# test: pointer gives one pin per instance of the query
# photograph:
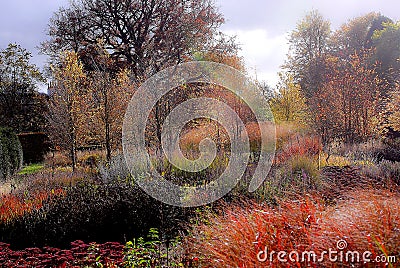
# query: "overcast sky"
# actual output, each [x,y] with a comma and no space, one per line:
[261,26]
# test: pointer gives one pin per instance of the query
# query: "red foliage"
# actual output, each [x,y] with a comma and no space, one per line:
[109,254]
[368,221]
[235,239]
[13,206]
[299,146]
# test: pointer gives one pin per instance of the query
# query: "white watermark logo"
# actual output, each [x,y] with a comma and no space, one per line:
[340,254]
[146,98]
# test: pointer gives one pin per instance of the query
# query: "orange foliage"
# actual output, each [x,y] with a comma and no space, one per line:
[235,239]
[233,101]
[368,221]
[299,146]
[13,206]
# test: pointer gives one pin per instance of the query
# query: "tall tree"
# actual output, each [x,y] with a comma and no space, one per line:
[144,35]
[21,106]
[387,52]
[353,36]
[348,102]
[68,99]
[307,54]
[376,25]
[111,94]
[374,38]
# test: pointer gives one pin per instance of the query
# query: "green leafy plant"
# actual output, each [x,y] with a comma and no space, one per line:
[151,252]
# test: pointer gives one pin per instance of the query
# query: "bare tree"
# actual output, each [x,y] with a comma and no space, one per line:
[111,94]
[144,35]
[308,51]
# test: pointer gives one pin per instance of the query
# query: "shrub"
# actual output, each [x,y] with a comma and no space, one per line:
[109,254]
[57,159]
[10,153]
[149,252]
[31,169]
[94,212]
[152,252]
[386,171]
[372,151]
[14,206]
[116,169]
[364,153]
[90,158]
[333,160]
[391,150]
[95,207]
[299,145]
[47,180]
[272,135]
[298,176]
[283,134]
[304,167]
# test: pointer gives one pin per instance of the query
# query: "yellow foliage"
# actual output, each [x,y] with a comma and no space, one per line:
[289,104]
[394,109]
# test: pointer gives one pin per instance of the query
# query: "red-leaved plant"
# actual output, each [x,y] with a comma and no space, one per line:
[246,235]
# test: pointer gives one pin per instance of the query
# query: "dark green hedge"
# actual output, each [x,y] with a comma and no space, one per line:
[10,153]
[34,146]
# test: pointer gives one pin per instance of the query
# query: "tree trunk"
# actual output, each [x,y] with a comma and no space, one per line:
[73,157]
[108,142]
[107,126]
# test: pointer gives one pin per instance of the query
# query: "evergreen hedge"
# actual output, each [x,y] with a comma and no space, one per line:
[10,153]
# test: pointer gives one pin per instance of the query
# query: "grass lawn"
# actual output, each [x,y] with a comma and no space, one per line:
[31,169]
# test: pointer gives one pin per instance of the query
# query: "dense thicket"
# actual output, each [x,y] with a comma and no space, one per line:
[349,77]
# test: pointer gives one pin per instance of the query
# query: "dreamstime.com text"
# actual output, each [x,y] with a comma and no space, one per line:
[338,255]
